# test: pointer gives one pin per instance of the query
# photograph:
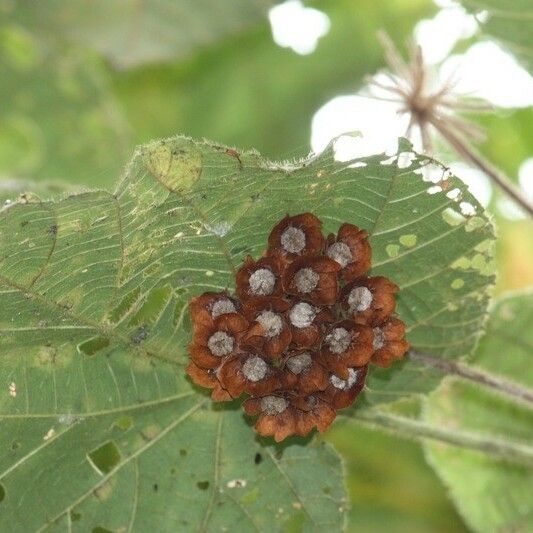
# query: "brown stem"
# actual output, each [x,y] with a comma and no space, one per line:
[476,375]
[468,152]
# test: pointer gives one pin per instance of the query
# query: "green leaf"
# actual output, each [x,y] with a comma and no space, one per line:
[94,328]
[58,118]
[492,495]
[508,21]
[130,34]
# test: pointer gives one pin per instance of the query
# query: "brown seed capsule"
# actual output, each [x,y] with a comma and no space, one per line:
[213,342]
[269,332]
[277,417]
[351,250]
[305,321]
[248,373]
[312,412]
[369,300]
[312,279]
[295,237]
[259,278]
[341,393]
[209,306]
[346,345]
[389,342]
[303,374]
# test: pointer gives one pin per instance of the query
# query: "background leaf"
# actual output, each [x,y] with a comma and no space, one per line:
[58,118]
[508,21]
[130,33]
[491,495]
[94,326]
[70,106]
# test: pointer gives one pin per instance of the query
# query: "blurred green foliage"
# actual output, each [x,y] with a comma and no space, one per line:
[65,106]
[76,100]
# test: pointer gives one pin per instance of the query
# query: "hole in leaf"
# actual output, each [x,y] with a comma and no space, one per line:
[453,218]
[153,306]
[258,458]
[2,493]
[93,345]
[105,457]
[124,422]
[203,485]
[125,305]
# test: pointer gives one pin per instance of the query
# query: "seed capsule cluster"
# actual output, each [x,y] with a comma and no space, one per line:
[300,332]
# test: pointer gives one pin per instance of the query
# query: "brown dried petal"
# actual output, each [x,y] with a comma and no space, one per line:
[208,379]
[390,343]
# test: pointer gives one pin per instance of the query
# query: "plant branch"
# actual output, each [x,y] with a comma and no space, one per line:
[471,154]
[414,429]
[478,376]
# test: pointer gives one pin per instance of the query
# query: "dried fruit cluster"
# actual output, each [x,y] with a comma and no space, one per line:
[300,333]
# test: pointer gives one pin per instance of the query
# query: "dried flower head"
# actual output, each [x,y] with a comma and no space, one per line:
[306,322]
[248,373]
[341,393]
[304,373]
[302,330]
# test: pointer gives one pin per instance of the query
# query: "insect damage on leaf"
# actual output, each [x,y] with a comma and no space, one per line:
[299,338]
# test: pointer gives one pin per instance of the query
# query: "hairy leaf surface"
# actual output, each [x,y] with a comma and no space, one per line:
[130,34]
[94,326]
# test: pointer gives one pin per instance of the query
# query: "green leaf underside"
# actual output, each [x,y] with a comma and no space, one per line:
[510,22]
[491,495]
[130,34]
[94,328]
